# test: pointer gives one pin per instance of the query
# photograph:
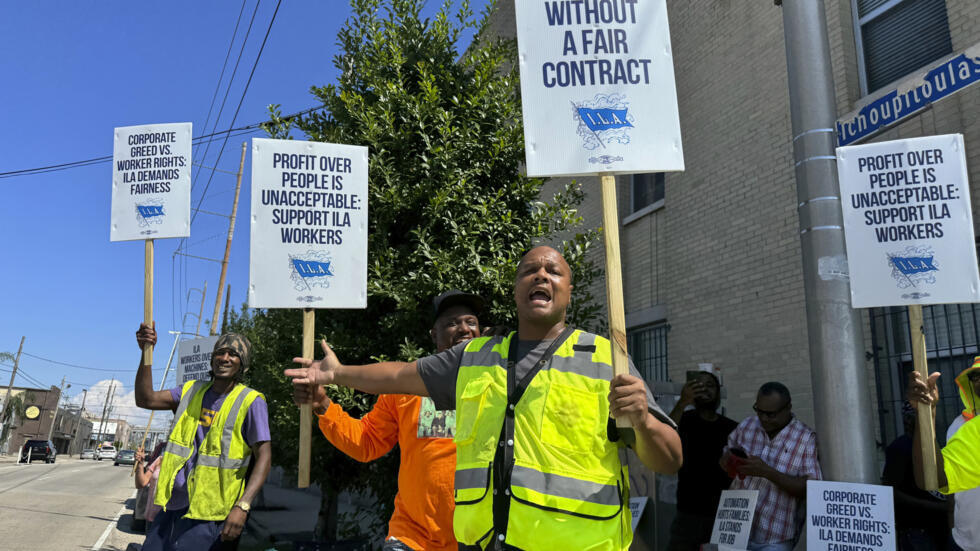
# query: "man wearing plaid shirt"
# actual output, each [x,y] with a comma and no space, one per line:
[780,456]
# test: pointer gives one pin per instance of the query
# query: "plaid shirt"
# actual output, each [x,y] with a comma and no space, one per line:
[794,452]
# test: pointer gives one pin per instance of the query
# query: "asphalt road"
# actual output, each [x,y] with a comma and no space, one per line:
[69,505]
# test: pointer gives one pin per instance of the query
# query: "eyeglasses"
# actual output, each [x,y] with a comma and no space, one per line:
[770,414]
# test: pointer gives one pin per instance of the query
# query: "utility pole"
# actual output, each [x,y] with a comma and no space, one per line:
[10,385]
[108,418]
[837,372]
[224,318]
[105,407]
[61,392]
[78,422]
[231,233]
[200,312]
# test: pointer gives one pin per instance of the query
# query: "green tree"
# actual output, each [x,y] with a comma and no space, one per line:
[449,208]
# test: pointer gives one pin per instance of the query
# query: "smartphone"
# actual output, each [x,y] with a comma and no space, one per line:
[739,452]
[692,375]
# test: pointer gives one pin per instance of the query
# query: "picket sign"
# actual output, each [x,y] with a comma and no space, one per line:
[908,225]
[598,96]
[308,242]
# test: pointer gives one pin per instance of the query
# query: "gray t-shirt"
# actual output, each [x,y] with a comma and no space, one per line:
[440,371]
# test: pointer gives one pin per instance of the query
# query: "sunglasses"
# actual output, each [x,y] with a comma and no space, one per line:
[770,414]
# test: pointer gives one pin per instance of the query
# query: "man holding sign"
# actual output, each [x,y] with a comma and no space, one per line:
[959,461]
[534,466]
[423,515]
[202,486]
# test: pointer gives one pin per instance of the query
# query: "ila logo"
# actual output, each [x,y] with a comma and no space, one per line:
[313,269]
[913,268]
[603,121]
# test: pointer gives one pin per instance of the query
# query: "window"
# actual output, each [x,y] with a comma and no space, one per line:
[645,190]
[952,335]
[647,346]
[896,37]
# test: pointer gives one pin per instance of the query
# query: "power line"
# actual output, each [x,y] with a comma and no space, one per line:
[234,118]
[224,66]
[231,132]
[80,366]
[231,80]
[258,56]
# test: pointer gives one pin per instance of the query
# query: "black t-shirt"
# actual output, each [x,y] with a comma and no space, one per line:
[899,473]
[701,480]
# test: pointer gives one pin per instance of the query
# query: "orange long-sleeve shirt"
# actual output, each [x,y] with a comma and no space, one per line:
[423,517]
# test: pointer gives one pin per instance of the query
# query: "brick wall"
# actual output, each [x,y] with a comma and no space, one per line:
[723,255]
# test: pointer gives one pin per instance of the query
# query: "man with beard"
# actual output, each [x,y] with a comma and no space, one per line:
[535,469]
[423,515]
[202,483]
[699,482]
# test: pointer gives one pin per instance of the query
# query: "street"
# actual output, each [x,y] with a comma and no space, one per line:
[71,504]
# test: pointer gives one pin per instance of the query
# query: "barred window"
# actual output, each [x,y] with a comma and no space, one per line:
[648,348]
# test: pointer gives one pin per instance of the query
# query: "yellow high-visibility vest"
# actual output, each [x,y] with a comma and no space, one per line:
[566,488]
[217,480]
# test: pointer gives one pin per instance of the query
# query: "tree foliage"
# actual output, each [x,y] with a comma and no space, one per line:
[449,207]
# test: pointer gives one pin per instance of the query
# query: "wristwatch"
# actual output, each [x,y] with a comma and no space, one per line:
[243,505]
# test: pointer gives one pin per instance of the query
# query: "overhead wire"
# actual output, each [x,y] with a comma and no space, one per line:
[249,129]
[238,109]
[182,244]
[234,118]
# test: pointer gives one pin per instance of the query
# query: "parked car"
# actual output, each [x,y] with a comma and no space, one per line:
[38,449]
[87,453]
[125,457]
[106,451]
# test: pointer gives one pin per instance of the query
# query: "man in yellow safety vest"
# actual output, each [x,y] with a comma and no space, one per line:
[537,463]
[218,425]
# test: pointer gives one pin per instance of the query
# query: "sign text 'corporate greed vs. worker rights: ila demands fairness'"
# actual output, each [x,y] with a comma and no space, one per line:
[151,182]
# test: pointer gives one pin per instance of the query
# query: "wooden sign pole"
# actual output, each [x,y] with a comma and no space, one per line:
[163,385]
[148,298]
[614,282]
[927,425]
[306,410]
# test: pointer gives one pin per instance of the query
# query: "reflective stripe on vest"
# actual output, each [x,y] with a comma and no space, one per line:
[217,479]
[567,485]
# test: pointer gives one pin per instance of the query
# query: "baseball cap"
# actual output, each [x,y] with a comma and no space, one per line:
[455,297]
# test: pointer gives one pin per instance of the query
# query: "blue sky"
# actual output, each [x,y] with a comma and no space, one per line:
[73,71]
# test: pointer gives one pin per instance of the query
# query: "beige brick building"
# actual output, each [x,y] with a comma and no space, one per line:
[711,256]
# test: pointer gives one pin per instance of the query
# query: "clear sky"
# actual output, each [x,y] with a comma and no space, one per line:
[73,71]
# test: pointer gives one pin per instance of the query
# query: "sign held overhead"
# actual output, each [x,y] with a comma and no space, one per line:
[597,85]
[309,225]
[151,182]
[908,222]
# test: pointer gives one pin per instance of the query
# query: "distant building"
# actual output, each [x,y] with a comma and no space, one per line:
[40,410]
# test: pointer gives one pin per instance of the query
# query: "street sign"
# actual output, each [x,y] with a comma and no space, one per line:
[309,225]
[908,223]
[151,182]
[910,96]
[597,86]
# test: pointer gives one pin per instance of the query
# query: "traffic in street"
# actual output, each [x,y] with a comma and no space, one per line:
[69,504]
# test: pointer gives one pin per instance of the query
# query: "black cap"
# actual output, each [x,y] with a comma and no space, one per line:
[455,297]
